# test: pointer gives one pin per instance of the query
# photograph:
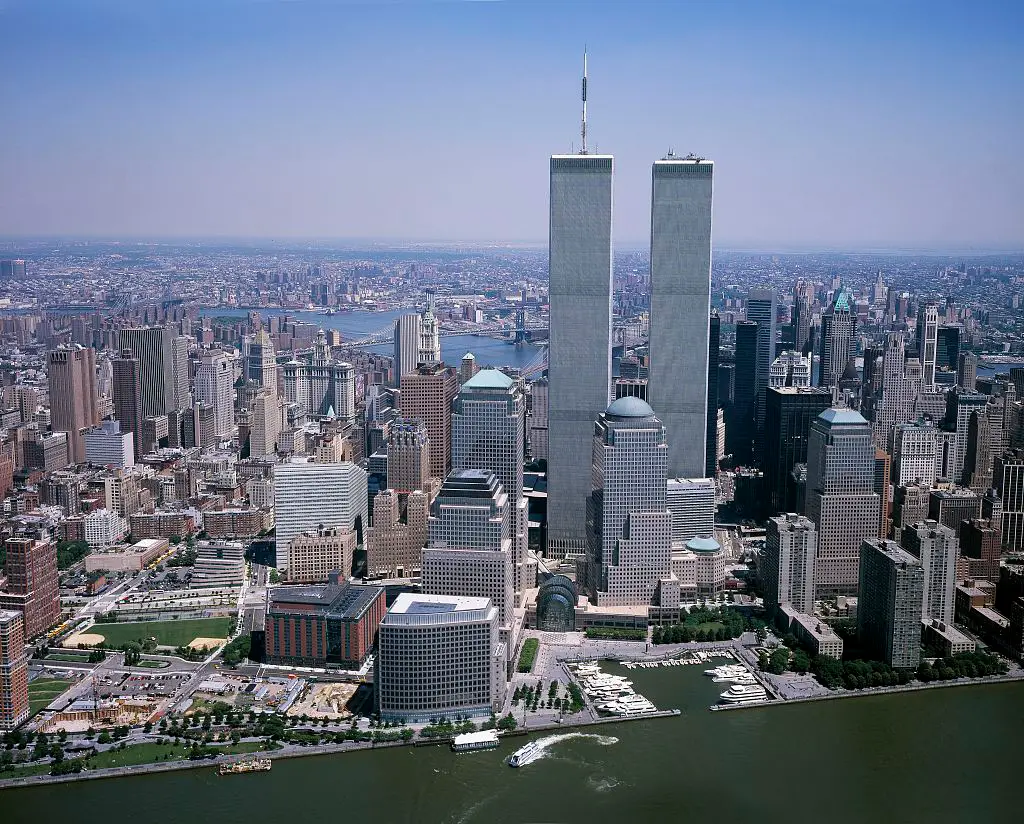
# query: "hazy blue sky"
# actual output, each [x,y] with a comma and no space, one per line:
[837,124]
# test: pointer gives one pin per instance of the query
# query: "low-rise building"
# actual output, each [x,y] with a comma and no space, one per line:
[439,657]
[218,564]
[126,558]
[945,639]
[237,522]
[316,553]
[811,632]
[333,625]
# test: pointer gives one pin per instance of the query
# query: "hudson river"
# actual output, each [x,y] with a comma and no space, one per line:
[936,756]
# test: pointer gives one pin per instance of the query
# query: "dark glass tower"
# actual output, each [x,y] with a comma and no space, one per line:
[711,439]
[789,412]
[740,429]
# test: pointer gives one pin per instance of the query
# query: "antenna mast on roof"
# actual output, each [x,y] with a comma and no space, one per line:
[583,125]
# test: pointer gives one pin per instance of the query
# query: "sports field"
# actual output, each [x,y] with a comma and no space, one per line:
[42,691]
[167,633]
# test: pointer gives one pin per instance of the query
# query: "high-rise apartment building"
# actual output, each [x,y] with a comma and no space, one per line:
[762,309]
[215,382]
[180,394]
[406,346]
[469,548]
[313,495]
[14,705]
[936,547]
[680,302]
[841,497]
[838,339]
[579,351]
[439,656]
[427,395]
[787,563]
[32,587]
[71,379]
[926,336]
[628,520]
[1008,480]
[889,601]
[789,412]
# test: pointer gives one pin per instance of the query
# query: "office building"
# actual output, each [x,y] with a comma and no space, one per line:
[261,361]
[951,506]
[883,467]
[218,564]
[628,520]
[107,445]
[762,309]
[967,370]
[104,528]
[313,495]
[1008,480]
[789,412]
[838,339]
[265,430]
[332,625]
[947,348]
[712,451]
[321,386]
[841,497]
[71,379]
[14,704]
[539,420]
[468,368]
[406,346]
[127,396]
[408,456]
[12,270]
[960,406]
[790,369]
[32,586]
[981,545]
[427,394]
[692,504]
[439,657]
[740,429]
[153,347]
[901,388]
[926,335]
[430,342]
[469,548]
[395,540]
[915,457]
[680,303]
[787,563]
[936,547]
[215,387]
[579,351]
[889,603]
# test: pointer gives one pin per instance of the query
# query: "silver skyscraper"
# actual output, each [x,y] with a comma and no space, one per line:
[680,305]
[580,363]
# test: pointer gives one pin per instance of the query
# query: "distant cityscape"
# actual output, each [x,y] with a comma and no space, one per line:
[259,498]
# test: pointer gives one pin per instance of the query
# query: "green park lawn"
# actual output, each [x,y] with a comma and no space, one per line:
[167,633]
[43,690]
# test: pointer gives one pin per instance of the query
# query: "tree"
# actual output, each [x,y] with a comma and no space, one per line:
[104,738]
[801,661]
[508,723]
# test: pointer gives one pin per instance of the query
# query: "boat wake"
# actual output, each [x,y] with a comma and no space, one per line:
[602,784]
[546,743]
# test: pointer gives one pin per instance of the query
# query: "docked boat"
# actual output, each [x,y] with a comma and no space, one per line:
[247,766]
[471,741]
[526,755]
[744,694]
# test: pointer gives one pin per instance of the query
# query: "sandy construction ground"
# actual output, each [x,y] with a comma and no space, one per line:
[88,638]
[209,643]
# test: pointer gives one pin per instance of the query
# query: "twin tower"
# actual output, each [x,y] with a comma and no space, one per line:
[580,345]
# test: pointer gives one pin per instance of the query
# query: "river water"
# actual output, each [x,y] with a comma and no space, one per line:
[937,756]
[359,323]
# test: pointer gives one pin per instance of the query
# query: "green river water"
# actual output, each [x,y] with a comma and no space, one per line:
[936,756]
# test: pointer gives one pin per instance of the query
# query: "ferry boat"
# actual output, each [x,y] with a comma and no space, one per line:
[526,755]
[744,694]
[249,765]
[471,741]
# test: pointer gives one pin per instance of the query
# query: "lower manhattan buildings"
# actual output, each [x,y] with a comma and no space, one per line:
[889,603]
[14,706]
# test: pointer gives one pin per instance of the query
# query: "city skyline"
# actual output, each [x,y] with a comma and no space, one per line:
[865,151]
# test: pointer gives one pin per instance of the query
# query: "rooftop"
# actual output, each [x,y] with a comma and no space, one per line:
[843,416]
[630,407]
[703,544]
[337,600]
[414,603]
[488,379]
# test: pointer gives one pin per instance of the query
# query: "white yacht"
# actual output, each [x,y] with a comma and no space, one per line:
[744,694]
[526,755]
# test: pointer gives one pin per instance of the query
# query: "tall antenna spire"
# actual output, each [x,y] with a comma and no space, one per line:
[583,125]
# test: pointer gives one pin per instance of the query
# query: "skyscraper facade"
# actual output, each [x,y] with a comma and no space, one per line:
[407,346]
[71,379]
[322,386]
[126,386]
[789,412]
[761,308]
[579,351]
[890,593]
[927,341]
[936,547]
[740,429]
[430,342]
[261,361]
[152,346]
[711,433]
[628,520]
[680,302]
[787,564]
[838,339]
[408,456]
[215,387]
[427,394]
[841,497]
[14,704]
[32,587]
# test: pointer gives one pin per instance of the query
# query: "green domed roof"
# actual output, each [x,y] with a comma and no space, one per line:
[703,544]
